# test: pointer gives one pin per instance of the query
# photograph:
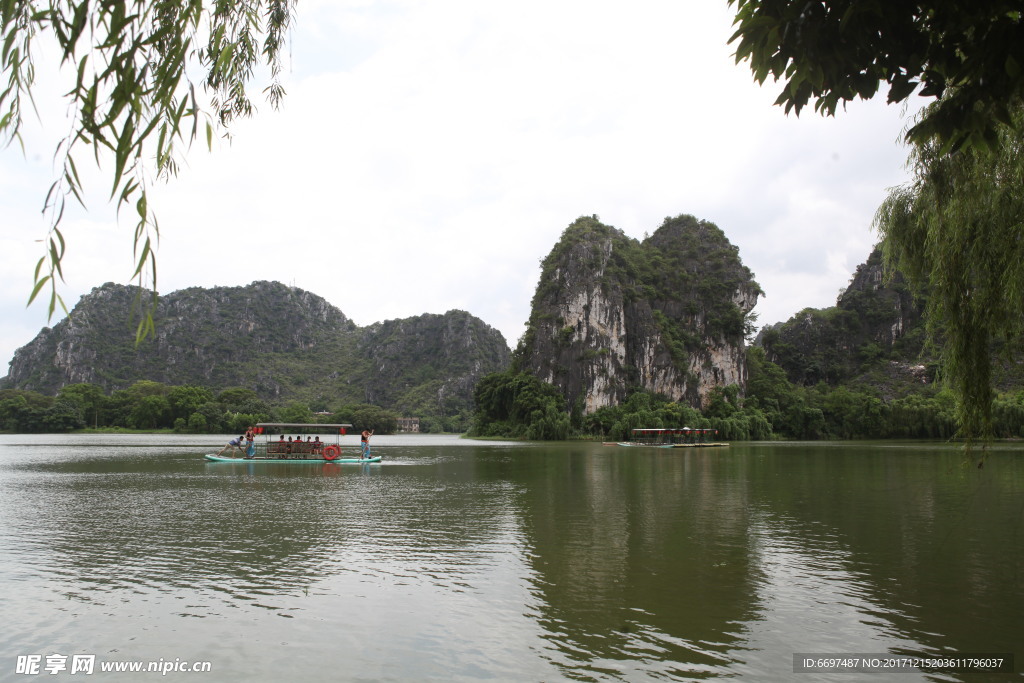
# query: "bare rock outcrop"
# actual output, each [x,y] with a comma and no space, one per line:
[612,315]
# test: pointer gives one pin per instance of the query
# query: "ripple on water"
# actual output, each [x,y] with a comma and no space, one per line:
[546,563]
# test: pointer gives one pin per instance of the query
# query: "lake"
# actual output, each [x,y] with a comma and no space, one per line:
[465,560]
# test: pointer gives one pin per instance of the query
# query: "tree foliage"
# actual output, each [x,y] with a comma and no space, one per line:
[276,342]
[90,399]
[518,405]
[968,54]
[151,405]
[957,229]
[365,416]
[129,68]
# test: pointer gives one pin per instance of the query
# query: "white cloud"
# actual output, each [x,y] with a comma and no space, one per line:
[429,154]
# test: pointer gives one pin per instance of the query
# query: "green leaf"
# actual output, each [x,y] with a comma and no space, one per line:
[1012,67]
[901,89]
[55,259]
[8,42]
[81,73]
[122,152]
[40,283]
[142,258]
[77,26]
[74,171]
[39,268]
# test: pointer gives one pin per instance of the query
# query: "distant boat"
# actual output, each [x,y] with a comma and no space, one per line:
[680,437]
[273,443]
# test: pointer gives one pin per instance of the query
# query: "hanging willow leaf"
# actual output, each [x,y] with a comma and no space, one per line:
[956,232]
[132,64]
[40,282]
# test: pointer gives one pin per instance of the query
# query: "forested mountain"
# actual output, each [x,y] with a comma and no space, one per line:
[874,335]
[628,334]
[873,339]
[622,334]
[612,315]
[281,342]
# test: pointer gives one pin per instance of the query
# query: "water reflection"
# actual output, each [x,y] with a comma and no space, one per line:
[627,551]
[454,561]
[804,578]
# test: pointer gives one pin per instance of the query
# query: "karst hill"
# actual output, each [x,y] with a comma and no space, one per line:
[666,315]
[282,342]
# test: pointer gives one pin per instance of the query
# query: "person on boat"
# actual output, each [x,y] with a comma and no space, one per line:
[233,444]
[317,446]
[250,438]
[365,442]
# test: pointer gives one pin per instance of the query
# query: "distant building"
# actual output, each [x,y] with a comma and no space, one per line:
[408,424]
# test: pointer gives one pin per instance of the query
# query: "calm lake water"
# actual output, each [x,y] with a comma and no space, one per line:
[462,560]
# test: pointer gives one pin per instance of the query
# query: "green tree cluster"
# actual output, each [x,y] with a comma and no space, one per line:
[365,416]
[956,231]
[29,412]
[147,405]
[517,405]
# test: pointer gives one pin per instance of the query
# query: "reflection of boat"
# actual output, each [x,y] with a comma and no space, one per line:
[313,443]
[682,437]
[340,461]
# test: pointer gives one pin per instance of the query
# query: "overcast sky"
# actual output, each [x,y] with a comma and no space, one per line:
[430,153]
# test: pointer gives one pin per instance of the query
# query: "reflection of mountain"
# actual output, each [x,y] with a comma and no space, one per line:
[250,531]
[564,560]
[139,530]
[903,537]
[640,559]
[691,565]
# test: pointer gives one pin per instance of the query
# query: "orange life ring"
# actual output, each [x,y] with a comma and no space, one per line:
[331,452]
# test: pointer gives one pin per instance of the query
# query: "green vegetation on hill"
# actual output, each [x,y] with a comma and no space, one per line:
[875,326]
[612,315]
[687,262]
[283,344]
[517,405]
[858,370]
[955,230]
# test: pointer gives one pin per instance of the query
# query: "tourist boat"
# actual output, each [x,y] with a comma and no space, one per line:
[681,437]
[316,443]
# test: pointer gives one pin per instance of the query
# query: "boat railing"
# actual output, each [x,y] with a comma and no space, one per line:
[295,447]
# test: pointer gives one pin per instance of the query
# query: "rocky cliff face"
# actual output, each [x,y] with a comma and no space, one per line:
[433,358]
[876,319]
[280,341]
[666,315]
[202,337]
